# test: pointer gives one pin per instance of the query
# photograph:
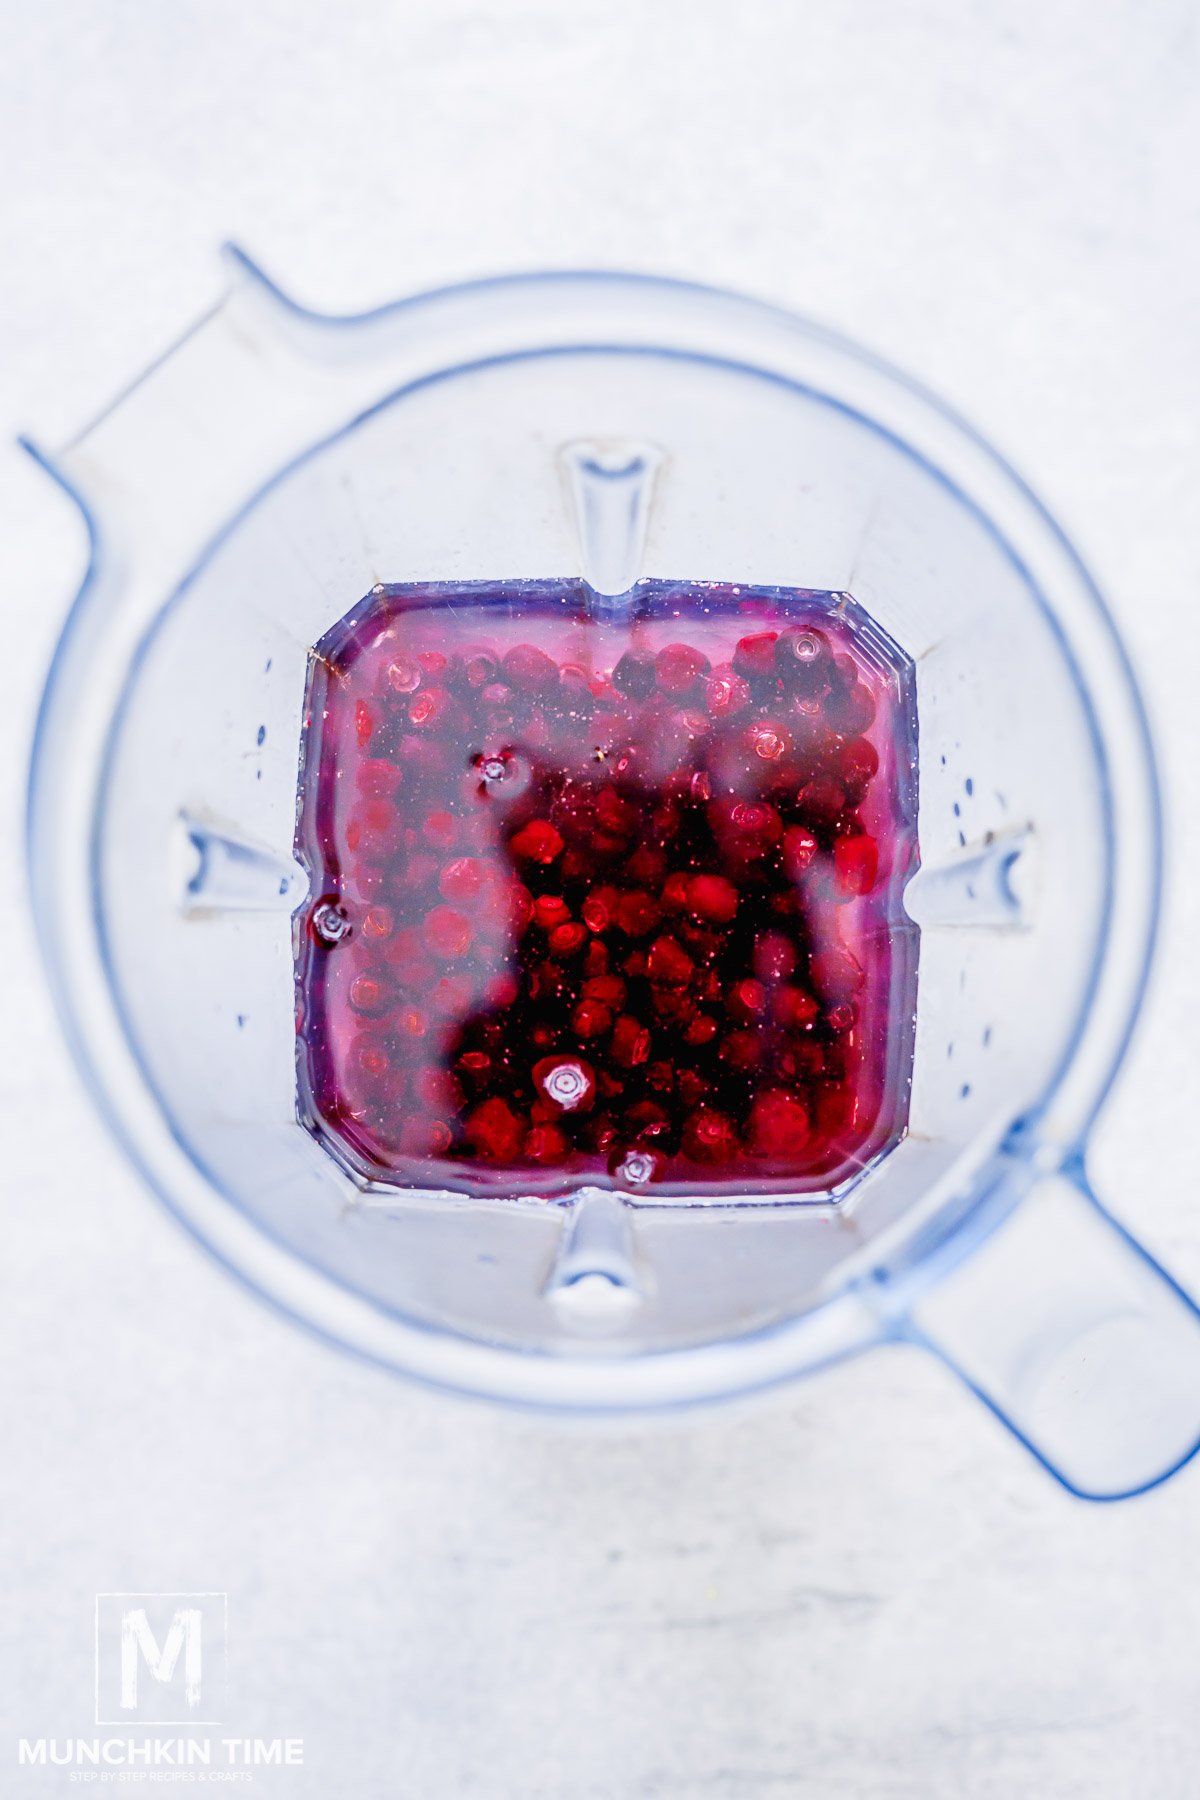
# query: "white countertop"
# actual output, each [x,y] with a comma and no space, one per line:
[857,1586]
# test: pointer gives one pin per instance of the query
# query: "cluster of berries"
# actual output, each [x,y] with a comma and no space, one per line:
[580,921]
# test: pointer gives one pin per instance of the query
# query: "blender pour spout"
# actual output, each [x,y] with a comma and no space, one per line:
[611,483]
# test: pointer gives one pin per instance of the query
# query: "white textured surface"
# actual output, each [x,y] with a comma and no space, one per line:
[858,1587]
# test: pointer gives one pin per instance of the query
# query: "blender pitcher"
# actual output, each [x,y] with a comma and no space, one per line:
[606,437]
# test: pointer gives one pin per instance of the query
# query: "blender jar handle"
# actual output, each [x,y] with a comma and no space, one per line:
[1075,1338]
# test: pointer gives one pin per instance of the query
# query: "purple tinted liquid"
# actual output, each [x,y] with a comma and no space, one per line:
[615,901]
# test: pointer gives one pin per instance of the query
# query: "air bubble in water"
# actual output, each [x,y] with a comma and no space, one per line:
[638,1168]
[329,922]
[568,1084]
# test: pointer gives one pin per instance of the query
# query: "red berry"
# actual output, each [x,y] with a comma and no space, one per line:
[802,1059]
[812,734]
[821,800]
[630,1042]
[550,910]
[774,957]
[405,950]
[451,997]
[574,696]
[411,1022]
[855,864]
[646,1122]
[726,693]
[529,670]
[378,777]
[497,696]
[519,906]
[363,725]
[636,913]
[769,740]
[856,763]
[440,829]
[437,1089]
[368,1058]
[746,828]
[754,657]
[853,711]
[835,1108]
[369,994]
[754,819]
[537,842]
[591,1019]
[675,891]
[747,999]
[447,932]
[669,963]
[799,849]
[463,880]
[475,1065]
[403,676]
[595,958]
[599,909]
[428,708]
[634,675]
[665,821]
[608,989]
[377,922]
[835,972]
[804,660]
[794,1008]
[692,1087]
[708,987]
[708,1136]
[614,814]
[424,1137]
[778,1125]
[598,1133]
[546,1144]
[495,1131]
[678,668]
[712,897]
[606,847]
[478,669]
[565,940]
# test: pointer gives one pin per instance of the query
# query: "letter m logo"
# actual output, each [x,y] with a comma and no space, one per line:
[160,1658]
[138,1641]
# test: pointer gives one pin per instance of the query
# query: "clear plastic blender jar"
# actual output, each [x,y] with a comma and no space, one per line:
[276,466]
